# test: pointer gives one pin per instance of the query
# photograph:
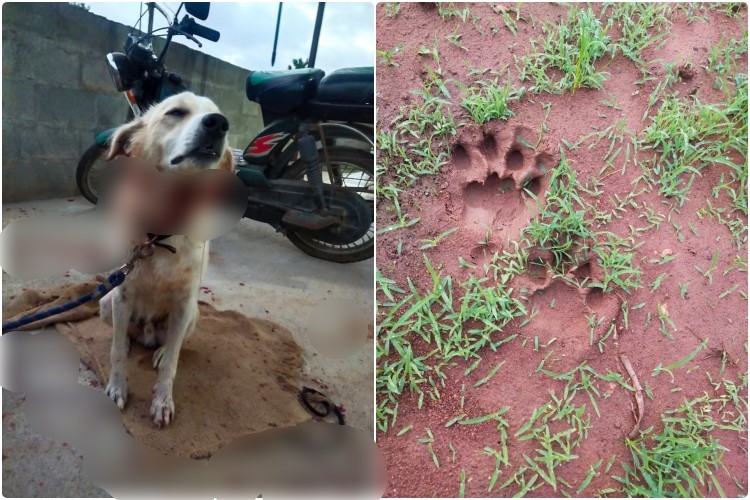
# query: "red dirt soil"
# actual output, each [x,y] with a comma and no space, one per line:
[465,195]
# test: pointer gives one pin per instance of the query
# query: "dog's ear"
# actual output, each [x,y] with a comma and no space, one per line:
[119,144]
[227,161]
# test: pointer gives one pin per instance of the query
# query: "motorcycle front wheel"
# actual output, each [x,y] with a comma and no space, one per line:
[353,170]
[90,168]
[89,172]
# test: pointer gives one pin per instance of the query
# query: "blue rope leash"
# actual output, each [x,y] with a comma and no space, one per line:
[113,280]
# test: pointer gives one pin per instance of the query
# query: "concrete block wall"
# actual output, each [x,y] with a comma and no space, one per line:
[57,93]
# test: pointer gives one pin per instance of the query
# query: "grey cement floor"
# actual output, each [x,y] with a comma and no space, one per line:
[279,283]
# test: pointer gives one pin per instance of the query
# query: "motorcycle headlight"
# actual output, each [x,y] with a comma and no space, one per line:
[121,71]
[140,52]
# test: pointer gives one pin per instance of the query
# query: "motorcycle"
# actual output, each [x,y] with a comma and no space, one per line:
[309,173]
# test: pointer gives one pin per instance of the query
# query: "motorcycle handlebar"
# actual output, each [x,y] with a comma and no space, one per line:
[207,33]
[187,27]
[193,28]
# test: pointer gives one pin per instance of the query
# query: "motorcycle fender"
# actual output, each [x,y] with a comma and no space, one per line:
[274,170]
[102,138]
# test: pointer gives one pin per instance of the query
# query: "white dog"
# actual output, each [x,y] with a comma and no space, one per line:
[158,302]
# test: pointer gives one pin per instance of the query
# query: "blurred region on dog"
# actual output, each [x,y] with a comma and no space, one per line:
[136,199]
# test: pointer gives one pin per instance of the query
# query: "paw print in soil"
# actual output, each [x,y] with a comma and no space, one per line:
[542,285]
[588,270]
[494,168]
[492,171]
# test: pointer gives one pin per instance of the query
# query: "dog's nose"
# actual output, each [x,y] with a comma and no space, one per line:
[215,123]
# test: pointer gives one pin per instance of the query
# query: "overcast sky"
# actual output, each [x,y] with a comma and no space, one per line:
[247,31]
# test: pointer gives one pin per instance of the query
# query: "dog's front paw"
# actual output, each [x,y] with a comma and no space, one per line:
[162,406]
[117,390]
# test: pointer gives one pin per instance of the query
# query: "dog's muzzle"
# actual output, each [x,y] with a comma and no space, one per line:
[215,125]
[210,140]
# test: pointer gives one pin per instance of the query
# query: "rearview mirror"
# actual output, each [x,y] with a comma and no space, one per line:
[198,9]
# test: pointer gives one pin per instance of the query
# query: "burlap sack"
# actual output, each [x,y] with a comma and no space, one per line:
[236,375]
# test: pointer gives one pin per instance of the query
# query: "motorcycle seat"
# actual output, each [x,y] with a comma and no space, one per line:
[347,85]
[345,95]
[282,91]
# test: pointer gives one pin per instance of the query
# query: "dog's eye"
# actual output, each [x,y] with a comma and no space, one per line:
[178,112]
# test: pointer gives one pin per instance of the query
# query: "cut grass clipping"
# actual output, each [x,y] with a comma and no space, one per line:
[681,459]
[564,60]
[642,25]
[439,322]
[418,144]
[488,100]
[386,56]
[688,136]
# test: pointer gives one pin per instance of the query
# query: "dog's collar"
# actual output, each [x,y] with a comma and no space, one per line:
[154,239]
